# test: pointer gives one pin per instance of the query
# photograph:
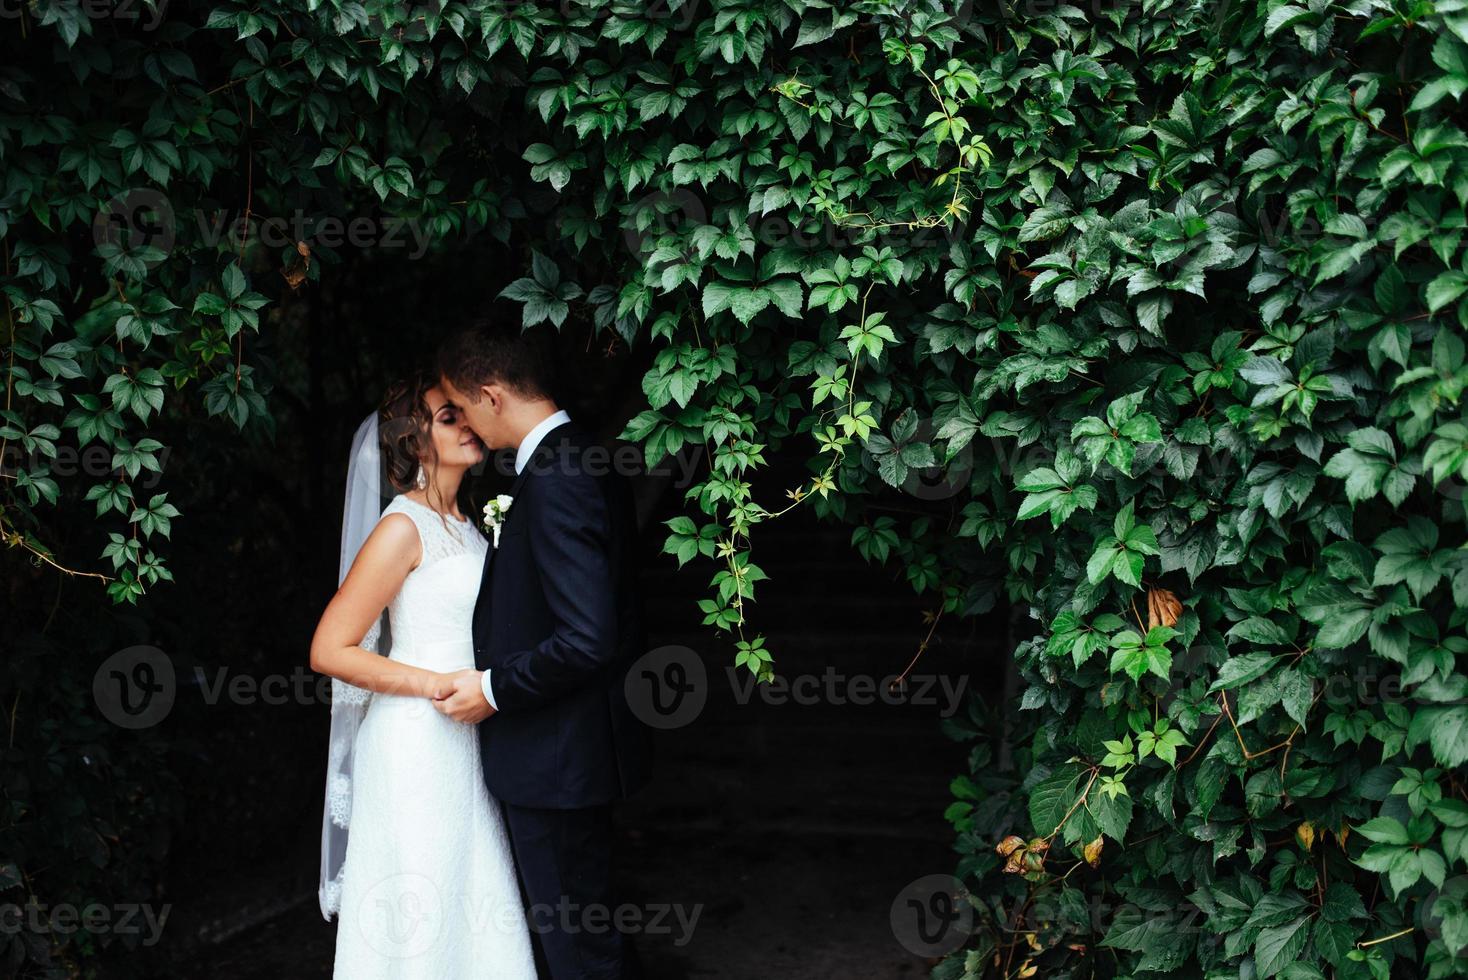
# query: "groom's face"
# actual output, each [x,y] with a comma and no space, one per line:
[485,413]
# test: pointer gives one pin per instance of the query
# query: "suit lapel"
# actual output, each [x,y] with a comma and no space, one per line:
[515,490]
[489,555]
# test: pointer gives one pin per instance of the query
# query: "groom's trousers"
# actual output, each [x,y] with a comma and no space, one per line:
[564,860]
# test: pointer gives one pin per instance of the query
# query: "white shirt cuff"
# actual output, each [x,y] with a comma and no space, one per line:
[488,692]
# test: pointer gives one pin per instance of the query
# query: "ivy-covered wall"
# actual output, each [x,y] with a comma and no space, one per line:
[1182,284]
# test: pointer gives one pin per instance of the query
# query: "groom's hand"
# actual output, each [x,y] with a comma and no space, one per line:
[467,703]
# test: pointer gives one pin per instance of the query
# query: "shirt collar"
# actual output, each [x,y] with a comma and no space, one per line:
[533,438]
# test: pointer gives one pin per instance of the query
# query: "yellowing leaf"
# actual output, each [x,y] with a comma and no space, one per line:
[1163,608]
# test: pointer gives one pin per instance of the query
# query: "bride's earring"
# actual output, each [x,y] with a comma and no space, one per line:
[422,481]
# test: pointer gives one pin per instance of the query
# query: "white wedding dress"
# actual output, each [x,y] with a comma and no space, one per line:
[428,888]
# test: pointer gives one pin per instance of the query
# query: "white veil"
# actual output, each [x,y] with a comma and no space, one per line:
[360,515]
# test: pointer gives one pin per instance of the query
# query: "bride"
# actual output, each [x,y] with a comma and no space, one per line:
[424,884]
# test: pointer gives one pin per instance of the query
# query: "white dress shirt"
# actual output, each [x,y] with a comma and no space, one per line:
[527,447]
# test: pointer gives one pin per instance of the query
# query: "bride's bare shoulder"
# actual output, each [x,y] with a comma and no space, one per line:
[393,541]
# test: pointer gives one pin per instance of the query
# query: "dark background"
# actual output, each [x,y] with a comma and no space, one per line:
[790,828]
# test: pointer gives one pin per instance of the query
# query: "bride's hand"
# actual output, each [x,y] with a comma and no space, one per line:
[442,686]
[467,704]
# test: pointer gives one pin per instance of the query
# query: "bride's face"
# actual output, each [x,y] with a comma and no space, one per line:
[453,440]
[481,414]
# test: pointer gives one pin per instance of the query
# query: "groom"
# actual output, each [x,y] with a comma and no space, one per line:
[556,626]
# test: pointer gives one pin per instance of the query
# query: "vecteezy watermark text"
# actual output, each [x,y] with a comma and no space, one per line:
[143,222]
[138,687]
[94,461]
[407,914]
[669,688]
[147,14]
[64,919]
[836,687]
[596,460]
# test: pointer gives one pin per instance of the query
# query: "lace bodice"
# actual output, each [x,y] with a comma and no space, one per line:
[442,537]
[430,618]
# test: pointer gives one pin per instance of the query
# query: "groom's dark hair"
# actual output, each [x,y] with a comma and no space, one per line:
[492,352]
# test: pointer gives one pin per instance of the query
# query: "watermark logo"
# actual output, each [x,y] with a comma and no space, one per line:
[401,916]
[135,688]
[661,213]
[932,916]
[941,480]
[137,227]
[668,687]
[1443,915]
[1448,457]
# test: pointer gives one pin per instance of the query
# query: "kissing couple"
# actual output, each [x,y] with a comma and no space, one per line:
[479,730]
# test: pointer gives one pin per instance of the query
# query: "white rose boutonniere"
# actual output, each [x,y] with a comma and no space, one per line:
[494,515]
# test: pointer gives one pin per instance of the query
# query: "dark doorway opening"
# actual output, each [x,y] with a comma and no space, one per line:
[782,821]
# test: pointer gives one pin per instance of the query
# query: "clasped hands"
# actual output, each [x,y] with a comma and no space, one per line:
[460,696]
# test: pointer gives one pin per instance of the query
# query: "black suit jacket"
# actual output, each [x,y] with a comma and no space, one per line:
[558,622]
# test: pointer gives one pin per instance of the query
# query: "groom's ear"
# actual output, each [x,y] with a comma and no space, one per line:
[495,396]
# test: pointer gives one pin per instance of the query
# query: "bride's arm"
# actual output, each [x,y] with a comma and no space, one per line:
[386,558]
